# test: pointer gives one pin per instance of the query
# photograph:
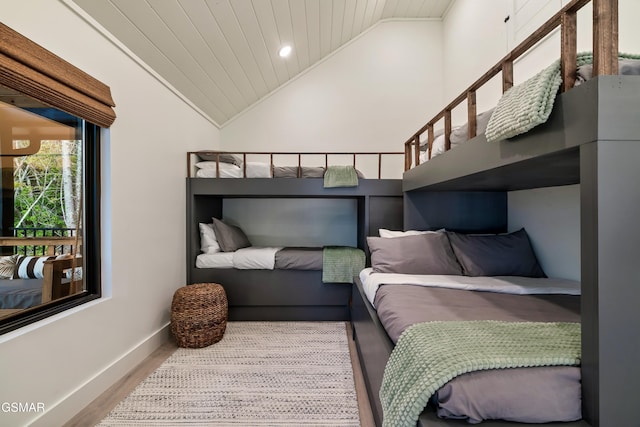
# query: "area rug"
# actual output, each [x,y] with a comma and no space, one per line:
[259,374]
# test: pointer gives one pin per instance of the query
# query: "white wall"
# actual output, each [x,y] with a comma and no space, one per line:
[551,217]
[475,39]
[295,222]
[68,360]
[371,95]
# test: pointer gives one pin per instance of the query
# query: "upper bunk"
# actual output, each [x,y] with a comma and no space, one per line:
[262,174]
[603,108]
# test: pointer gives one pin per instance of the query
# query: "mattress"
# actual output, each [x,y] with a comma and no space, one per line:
[264,258]
[20,293]
[551,394]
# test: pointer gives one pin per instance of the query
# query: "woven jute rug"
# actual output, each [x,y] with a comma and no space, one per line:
[259,374]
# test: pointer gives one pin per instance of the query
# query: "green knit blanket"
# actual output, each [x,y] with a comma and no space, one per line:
[430,354]
[341,263]
[529,104]
[340,176]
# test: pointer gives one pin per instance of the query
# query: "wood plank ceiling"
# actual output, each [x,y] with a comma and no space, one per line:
[223,54]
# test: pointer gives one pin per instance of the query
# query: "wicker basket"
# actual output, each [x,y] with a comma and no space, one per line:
[199,315]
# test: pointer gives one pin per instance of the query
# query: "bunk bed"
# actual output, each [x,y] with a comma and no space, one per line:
[298,293]
[591,139]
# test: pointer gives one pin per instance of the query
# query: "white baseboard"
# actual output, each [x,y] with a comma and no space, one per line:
[74,402]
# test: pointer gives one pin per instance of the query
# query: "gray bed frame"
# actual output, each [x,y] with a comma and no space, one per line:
[592,138]
[286,294]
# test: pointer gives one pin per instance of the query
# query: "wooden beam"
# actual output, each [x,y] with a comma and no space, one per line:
[430,138]
[605,37]
[407,155]
[568,49]
[507,75]
[471,113]
[39,241]
[447,130]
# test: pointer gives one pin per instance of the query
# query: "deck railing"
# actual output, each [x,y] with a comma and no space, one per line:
[605,62]
[38,241]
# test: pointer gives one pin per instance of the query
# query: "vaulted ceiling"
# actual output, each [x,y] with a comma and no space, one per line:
[223,54]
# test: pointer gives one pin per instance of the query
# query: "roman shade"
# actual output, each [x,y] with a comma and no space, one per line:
[31,69]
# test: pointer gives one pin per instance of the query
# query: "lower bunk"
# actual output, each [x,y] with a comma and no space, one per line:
[375,345]
[276,283]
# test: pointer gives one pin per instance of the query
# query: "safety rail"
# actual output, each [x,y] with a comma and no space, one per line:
[605,62]
[299,155]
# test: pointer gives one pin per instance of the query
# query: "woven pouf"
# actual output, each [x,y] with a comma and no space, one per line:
[199,315]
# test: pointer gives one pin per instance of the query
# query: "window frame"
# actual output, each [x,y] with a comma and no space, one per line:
[91,241]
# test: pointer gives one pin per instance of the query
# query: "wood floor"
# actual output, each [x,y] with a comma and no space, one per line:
[101,406]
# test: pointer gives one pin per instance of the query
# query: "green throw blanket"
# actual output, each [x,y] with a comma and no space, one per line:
[529,104]
[341,263]
[340,176]
[430,354]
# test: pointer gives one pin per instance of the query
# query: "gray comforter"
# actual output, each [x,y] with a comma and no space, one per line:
[299,258]
[550,394]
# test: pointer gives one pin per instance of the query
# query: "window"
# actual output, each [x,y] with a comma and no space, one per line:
[50,118]
[49,233]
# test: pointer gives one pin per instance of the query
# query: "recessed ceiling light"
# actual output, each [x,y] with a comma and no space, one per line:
[284,51]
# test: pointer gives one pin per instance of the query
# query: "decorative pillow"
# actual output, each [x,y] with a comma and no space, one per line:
[230,238]
[496,254]
[8,266]
[31,267]
[211,156]
[420,254]
[208,242]
[394,233]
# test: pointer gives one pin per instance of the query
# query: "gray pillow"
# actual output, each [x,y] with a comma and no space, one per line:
[292,172]
[421,254]
[211,156]
[306,172]
[230,237]
[461,134]
[285,171]
[496,254]
[312,172]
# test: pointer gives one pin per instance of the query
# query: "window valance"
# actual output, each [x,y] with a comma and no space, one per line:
[31,69]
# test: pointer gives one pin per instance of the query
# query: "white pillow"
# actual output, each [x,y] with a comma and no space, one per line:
[438,146]
[208,242]
[212,165]
[224,173]
[393,233]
